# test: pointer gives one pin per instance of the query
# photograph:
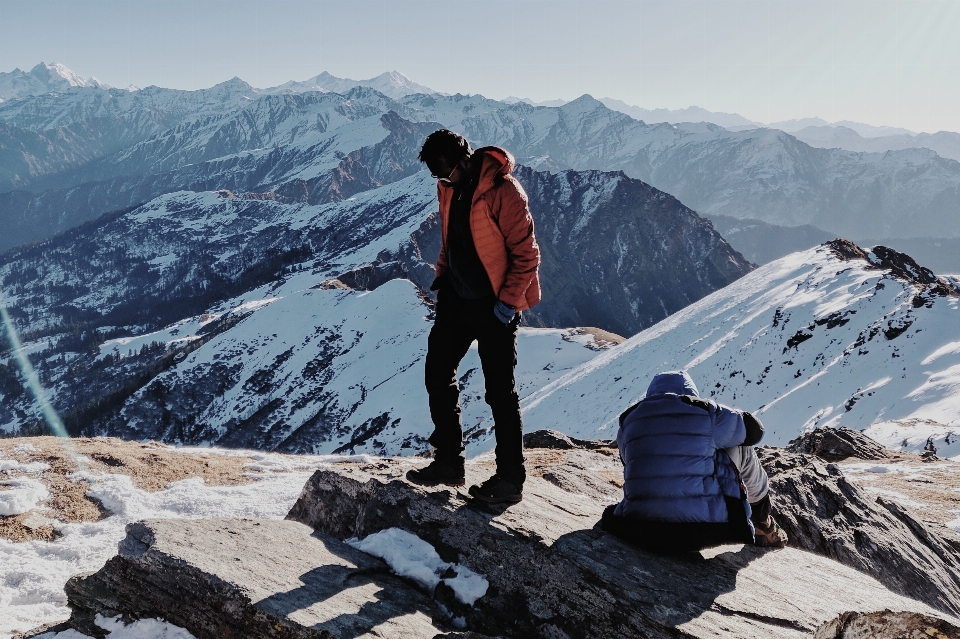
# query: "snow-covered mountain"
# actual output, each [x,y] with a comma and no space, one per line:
[392,84]
[832,336]
[114,311]
[43,78]
[44,139]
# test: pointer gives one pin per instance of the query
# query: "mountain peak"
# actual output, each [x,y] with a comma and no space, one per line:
[43,78]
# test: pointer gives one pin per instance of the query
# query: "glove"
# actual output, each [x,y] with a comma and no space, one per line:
[504,312]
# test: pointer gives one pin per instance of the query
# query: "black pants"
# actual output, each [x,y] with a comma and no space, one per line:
[460,321]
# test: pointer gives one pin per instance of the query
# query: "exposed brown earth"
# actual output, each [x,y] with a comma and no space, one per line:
[151,467]
[936,485]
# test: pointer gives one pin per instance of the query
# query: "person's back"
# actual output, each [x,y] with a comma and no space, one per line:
[690,472]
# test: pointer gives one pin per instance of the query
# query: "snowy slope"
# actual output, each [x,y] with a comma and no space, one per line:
[314,370]
[812,339]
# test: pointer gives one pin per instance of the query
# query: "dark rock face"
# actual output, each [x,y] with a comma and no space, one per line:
[824,513]
[560,441]
[551,571]
[837,444]
[899,264]
[887,625]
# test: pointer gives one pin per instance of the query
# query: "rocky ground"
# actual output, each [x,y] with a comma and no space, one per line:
[863,541]
[151,466]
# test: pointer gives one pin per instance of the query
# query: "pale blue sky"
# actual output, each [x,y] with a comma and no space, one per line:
[891,63]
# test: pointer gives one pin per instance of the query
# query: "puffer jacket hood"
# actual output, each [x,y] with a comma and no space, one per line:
[676,382]
[495,163]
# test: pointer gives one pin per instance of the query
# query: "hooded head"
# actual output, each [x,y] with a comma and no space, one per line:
[677,382]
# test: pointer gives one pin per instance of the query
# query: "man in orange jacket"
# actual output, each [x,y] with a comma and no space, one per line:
[486,274]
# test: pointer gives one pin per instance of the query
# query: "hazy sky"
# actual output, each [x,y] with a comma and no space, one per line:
[886,63]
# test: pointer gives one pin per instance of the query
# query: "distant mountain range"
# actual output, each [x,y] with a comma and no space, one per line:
[72,156]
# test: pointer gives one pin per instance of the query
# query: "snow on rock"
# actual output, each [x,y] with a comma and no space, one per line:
[409,556]
[812,339]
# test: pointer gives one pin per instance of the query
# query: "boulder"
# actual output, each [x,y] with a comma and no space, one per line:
[562,441]
[838,444]
[887,625]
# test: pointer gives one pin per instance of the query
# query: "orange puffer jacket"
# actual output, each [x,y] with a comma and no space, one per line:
[502,230]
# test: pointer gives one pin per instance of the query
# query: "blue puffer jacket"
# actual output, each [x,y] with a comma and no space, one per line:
[674,467]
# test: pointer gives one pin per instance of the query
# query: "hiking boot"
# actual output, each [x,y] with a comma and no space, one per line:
[769,534]
[438,473]
[497,490]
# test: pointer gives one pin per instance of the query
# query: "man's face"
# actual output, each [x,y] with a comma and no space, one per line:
[446,171]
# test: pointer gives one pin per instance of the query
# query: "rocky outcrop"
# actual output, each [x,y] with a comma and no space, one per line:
[824,513]
[837,444]
[551,572]
[900,265]
[887,625]
[242,578]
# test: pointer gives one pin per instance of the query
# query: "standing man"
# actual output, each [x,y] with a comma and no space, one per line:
[486,275]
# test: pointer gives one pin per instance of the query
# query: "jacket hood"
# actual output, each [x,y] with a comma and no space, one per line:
[677,382]
[495,163]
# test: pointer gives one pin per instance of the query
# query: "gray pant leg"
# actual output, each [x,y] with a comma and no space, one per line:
[753,475]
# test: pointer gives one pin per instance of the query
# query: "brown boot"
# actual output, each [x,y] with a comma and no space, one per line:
[769,534]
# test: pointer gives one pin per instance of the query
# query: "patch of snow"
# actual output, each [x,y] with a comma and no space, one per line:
[411,557]
[33,574]
[253,305]
[116,629]
[20,496]
[27,467]
[900,498]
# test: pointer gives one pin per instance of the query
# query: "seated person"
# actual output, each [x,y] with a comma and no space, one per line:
[691,478]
